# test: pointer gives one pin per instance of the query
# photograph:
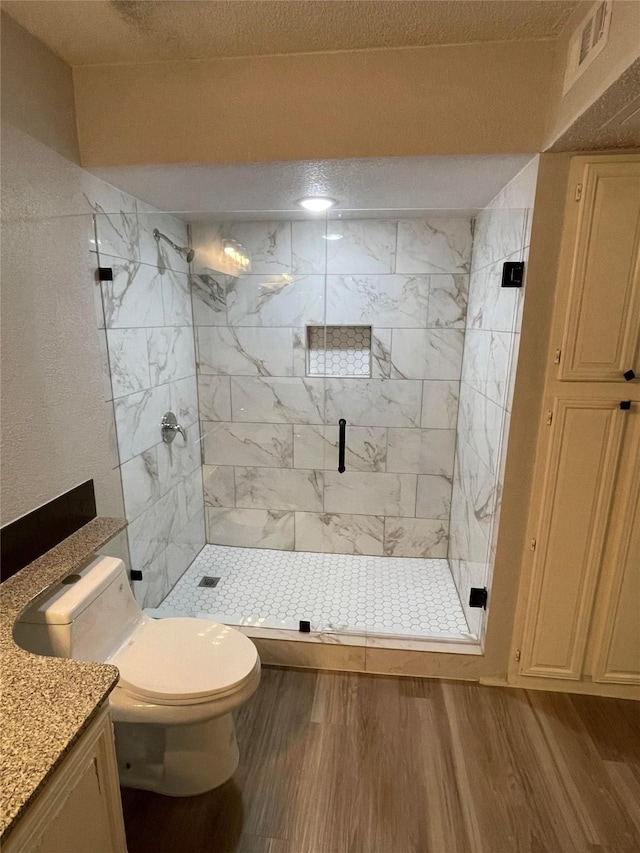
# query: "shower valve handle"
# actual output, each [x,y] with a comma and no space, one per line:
[169,426]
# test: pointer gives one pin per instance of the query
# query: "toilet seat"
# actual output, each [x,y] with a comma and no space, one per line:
[185,661]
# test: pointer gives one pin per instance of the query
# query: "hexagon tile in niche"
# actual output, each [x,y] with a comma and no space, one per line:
[340,351]
[394,596]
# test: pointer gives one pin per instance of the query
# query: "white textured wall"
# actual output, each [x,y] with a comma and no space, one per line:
[55,422]
[56,426]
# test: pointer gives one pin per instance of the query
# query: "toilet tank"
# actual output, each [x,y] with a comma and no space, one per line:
[87,616]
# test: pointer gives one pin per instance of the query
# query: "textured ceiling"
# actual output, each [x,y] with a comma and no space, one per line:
[108,31]
[407,184]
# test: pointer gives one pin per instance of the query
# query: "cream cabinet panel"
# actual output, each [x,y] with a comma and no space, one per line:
[617,657]
[580,473]
[79,810]
[602,327]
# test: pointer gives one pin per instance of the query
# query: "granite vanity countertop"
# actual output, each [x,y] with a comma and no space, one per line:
[46,702]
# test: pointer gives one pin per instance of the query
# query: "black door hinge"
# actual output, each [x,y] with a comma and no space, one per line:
[478,597]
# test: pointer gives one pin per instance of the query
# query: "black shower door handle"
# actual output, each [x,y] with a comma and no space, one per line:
[342,424]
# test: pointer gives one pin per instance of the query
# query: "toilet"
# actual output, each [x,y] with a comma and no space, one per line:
[180,678]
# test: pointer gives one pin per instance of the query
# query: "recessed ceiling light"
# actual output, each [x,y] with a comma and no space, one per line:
[332,236]
[317,204]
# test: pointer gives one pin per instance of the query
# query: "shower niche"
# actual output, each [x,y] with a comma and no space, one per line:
[340,352]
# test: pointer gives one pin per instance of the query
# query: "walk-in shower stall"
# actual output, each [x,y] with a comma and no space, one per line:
[343,382]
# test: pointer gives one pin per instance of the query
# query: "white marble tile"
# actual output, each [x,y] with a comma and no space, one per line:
[434,245]
[176,299]
[268,244]
[155,585]
[491,306]
[260,445]
[474,500]
[171,353]
[421,451]
[476,358]
[190,496]
[209,298]
[415,537]
[377,300]
[381,353]
[317,447]
[140,483]
[219,485]
[309,246]
[480,425]
[309,446]
[245,351]
[339,534]
[366,246]
[105,371]
[177,461]
[276,300]
[300,352]
[184,400]
[434,497]
[138,419]
[370,494]
[116,221]
[134,297]
[498,365]
[279,488]
[448,297]
[499,233]
[151,531]
[159,252]
[374,402]
[184,548]
[287,400]
[214,394]
[128,361]
[440,404]
[427,353]
[250,528]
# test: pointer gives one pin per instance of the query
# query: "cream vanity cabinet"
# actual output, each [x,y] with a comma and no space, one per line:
[579,609]
[79,810]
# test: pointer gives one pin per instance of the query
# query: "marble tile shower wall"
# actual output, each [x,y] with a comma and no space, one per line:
[147,315]
[492,339]
[270,431]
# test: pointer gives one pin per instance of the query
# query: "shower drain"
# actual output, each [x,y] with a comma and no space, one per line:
[208,581]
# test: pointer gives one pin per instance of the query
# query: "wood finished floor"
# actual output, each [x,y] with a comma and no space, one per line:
[346,763]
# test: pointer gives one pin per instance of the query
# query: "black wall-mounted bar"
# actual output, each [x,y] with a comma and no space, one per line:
[342,424]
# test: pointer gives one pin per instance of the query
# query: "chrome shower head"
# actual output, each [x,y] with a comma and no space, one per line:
[184,251]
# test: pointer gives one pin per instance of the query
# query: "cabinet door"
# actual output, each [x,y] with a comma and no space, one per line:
[79,810]
[602,328]
[580,472]
[617,654]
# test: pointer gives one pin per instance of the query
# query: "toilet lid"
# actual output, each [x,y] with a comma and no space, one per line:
[184,658]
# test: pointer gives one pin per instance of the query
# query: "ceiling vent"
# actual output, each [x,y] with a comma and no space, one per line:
[588,41]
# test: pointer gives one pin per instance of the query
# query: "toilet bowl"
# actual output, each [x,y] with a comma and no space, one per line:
[180,678]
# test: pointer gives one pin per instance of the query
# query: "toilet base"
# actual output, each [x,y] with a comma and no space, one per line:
[177,760]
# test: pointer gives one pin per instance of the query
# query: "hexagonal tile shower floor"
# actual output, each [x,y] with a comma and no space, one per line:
[394,596]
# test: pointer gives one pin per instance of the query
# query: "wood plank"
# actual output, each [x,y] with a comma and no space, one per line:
[510,783]
[583,772]
[613,743]
[335,700]
[347,763]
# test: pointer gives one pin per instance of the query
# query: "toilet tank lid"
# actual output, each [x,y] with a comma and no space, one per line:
[65,601]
